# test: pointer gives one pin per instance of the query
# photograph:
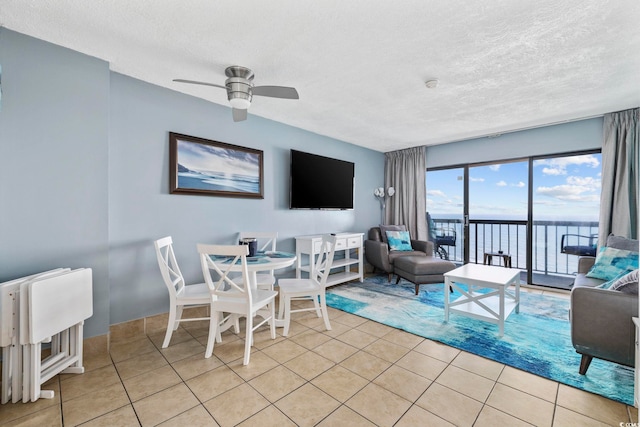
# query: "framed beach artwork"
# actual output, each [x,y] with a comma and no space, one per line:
[206,167]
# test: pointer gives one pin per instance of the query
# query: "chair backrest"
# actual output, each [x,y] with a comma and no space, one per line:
[375,234]
[169,266]
[324,261]
[266,239]
[223,259]
[431,228]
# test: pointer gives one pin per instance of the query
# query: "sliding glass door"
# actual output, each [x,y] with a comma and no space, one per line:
[565,209]
[446,212]
[498,213]
[540,213]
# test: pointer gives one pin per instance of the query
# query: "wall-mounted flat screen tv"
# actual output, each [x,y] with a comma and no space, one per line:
[319,182]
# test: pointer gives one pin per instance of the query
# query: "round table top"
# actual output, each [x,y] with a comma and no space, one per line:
[262,261]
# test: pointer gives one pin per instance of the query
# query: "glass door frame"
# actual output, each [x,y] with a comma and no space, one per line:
[530,199]
[465,205]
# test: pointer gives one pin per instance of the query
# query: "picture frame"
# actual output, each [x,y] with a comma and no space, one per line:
[206,167]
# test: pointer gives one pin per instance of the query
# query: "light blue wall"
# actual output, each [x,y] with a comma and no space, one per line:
[562,138]
[85,176]
[141,208]
[53,157]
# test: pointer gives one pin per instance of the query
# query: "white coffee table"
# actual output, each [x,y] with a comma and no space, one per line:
[493,306]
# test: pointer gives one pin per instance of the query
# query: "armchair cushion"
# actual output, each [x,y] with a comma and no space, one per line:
[612,263]
[385,228]
[399,240]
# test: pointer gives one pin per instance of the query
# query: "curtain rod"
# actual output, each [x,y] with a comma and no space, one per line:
[499,134]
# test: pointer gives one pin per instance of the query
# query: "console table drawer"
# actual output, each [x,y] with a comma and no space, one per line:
[341,244]
[354,242]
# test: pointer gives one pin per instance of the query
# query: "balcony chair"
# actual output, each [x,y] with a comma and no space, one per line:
[232,298]
[582,245]
[180,294]
[309,289]
[441,237]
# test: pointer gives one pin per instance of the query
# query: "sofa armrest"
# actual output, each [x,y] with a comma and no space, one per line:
[422,246]
[602,325]
[377,254]
[585,263]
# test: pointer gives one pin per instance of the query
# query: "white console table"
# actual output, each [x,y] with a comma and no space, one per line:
[310,246]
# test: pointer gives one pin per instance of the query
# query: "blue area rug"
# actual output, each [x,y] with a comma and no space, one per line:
[536,340]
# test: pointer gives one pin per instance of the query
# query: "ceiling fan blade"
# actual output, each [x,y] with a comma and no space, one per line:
[239,115]
[199,83]
[276,92]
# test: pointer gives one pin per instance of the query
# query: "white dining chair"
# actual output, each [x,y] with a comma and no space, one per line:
[180,294]
[266,242]
[233,298]
[310,289]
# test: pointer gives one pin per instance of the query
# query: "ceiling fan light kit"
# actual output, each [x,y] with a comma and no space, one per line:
[240,90]
[431,83]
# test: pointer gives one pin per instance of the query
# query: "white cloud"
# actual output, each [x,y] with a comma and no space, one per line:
[548,203]
[575,189]
[501,184]
[519,184]
[494,168]
[436,193]
[574,193]
[554,171]
[558,166]
[585,181]
[472,179]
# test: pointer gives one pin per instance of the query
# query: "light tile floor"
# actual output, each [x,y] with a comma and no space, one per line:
[360,373]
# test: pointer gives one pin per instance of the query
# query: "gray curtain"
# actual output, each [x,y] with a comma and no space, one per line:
[405,171]
[619,196]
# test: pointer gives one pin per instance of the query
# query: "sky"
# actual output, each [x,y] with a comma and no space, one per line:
[215,160]
[564,188]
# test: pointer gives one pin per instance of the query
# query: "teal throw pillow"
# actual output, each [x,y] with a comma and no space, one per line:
[399,240]
[613,263]
[385,228]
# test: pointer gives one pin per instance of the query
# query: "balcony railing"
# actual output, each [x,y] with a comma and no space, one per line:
[511,238]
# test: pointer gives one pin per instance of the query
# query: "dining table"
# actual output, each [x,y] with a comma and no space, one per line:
[262,261]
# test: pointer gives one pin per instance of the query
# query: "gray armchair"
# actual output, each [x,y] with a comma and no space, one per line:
[601,324]
[377,252]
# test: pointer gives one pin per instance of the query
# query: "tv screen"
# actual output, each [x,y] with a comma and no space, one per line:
[319,182]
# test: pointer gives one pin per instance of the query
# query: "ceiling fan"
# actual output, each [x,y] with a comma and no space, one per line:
[240,90]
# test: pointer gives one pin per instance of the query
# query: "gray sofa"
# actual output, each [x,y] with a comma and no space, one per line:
[601,324]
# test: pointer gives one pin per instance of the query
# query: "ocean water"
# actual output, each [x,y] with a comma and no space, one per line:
[219,182]
[512,239]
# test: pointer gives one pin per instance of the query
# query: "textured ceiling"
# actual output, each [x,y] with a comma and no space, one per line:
[360,65]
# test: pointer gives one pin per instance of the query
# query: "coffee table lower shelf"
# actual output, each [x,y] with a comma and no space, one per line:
[494,304]
[472,309]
